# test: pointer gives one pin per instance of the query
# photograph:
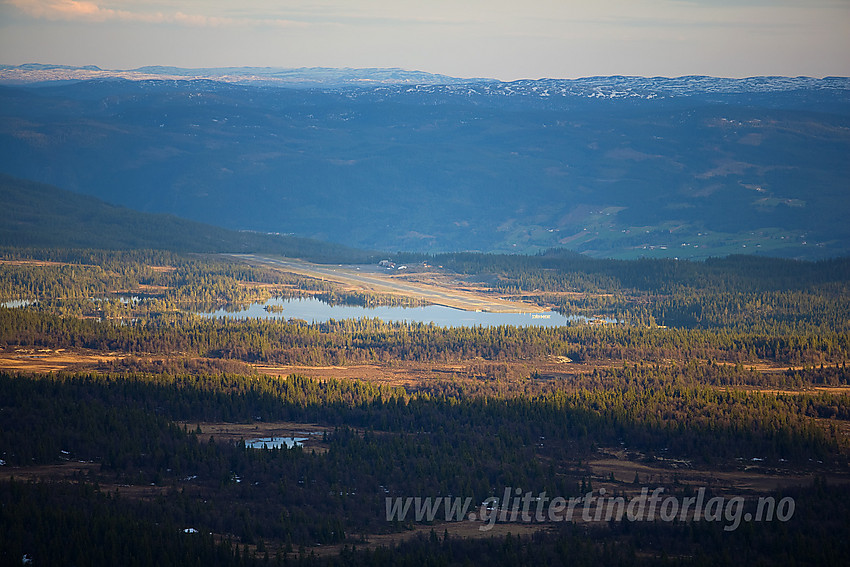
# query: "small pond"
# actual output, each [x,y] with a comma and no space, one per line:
[275,442]
[16,303]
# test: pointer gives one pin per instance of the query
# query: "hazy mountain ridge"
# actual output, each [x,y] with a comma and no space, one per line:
[303,77]
[728,166]
[615,86]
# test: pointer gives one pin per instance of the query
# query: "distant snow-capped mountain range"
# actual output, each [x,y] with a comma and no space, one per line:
[644,87]
[412,81]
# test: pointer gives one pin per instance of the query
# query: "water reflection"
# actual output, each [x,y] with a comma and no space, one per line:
[17,303]
[314,311]
[275,442]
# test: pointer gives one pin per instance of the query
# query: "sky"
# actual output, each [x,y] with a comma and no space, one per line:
[501,39]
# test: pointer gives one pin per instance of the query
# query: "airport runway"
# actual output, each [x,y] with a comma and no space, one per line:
[375,279]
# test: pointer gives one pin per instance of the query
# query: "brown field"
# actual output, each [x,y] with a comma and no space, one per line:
[835,390]
[62,471]
[395,373]
[762,366]
[459,530]
[749,479]
[44,360]
[73,471]
[415,374]
[39,263]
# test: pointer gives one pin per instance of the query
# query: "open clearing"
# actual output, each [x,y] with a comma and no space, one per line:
[750,477]
[234,432]
[410,374]
[43,360]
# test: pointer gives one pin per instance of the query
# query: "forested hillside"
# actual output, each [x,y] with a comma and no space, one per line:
[125,414]
[41,215]
[622,167]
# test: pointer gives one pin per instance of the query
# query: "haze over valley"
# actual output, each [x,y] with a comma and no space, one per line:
[622,167]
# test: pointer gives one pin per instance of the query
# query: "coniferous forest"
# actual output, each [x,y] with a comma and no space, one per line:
[126,416]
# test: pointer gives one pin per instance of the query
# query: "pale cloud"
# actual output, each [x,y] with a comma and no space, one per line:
[492,16]
[505,39]
[256,13]
[78,10]
[84,11]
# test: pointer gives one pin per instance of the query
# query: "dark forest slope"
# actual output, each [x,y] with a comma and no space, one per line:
[38,215]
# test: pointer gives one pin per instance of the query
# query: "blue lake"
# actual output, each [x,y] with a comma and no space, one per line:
[316,311]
